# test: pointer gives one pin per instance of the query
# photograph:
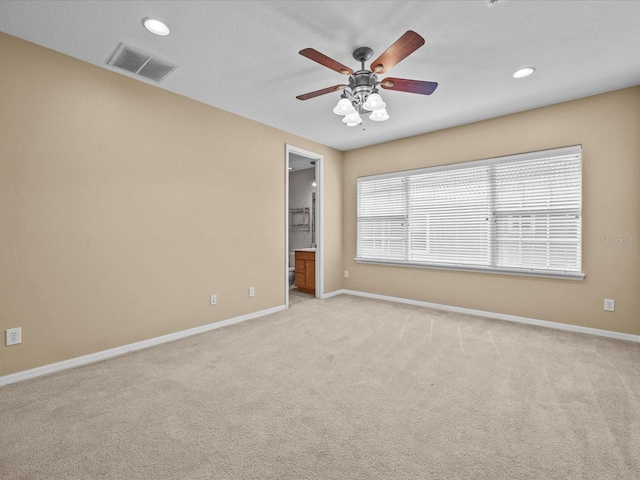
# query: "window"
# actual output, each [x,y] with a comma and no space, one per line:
[515,214]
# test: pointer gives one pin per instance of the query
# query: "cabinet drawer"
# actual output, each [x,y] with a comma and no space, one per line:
[300,277]
[300,266]
[305,256]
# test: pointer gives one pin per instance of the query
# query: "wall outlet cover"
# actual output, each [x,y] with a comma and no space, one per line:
[14,336]
[609,305]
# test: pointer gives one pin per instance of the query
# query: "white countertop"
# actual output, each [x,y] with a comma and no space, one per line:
[304,249]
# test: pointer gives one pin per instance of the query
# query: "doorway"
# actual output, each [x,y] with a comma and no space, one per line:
[303,216]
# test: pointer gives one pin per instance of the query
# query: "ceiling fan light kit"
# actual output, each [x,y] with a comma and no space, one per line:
[344,106]
[374,101]
[379,115]
[352,119]
[361,95]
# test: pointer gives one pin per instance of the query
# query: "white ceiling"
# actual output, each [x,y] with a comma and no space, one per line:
[242,56]
[299,162]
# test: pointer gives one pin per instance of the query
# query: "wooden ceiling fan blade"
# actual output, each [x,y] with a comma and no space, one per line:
[322,59]
[404,46]
[317,93]
[411,86]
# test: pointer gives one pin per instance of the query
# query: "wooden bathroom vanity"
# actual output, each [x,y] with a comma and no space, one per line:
[305,278]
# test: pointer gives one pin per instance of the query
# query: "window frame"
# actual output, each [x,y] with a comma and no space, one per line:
[492,226]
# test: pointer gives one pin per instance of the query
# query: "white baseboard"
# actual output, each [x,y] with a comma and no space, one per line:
[114,352]
[333,294]
[498,316]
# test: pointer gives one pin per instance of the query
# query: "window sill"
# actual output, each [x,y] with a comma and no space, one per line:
[502,271]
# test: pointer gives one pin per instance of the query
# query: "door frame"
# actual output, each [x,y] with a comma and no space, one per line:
[319,168]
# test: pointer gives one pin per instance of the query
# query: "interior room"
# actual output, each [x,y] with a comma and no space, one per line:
[287,239]
[302,189]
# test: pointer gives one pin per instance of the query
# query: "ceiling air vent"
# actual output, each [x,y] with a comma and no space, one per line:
[140,63]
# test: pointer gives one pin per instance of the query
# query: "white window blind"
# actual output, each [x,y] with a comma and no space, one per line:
[517,214]
[382,219]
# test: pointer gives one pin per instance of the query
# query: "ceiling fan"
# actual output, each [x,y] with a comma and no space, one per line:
[361,95]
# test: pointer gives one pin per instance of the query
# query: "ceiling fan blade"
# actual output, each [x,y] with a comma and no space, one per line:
[317,93]
[322,59]
[404,46]
[411,86]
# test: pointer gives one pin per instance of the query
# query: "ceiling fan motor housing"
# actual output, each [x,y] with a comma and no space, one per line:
[362,83]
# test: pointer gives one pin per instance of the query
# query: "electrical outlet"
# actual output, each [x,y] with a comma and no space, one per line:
[214,299]
[346,274]
[609,305]
[14,336]
[252,292]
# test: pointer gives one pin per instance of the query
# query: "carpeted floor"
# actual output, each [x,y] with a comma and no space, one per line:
[344,388]
[296,296]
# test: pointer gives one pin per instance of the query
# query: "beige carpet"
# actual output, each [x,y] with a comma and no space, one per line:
[345,388]
[296,296]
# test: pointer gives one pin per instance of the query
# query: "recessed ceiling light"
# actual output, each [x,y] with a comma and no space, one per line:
[156,26]
[524,72]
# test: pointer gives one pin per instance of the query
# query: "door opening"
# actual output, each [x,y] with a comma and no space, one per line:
[303,223]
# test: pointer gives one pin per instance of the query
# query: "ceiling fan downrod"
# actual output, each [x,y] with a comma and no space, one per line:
[363,82]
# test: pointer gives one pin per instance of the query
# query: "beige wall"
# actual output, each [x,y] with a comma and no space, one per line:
[608,128]
[123,207]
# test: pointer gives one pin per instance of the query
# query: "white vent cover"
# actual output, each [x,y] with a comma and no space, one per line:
[140,63]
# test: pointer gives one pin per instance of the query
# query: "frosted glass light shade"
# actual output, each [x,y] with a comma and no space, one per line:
[379,115]
[374,102]
[352,119]
[344,107]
